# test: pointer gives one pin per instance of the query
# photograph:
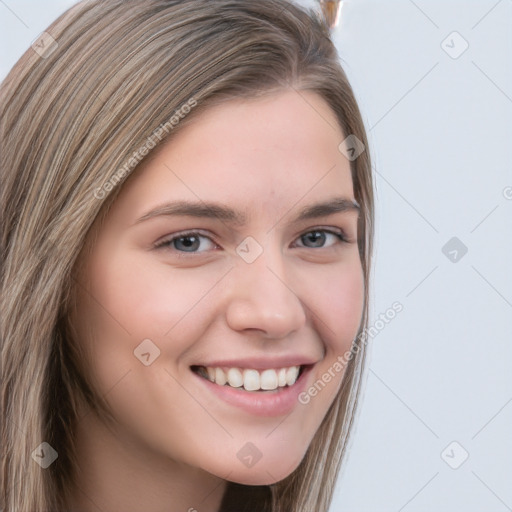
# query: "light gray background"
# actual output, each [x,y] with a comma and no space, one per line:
[440,132]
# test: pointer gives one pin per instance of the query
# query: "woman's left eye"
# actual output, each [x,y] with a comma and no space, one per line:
[320,236]
[191,242]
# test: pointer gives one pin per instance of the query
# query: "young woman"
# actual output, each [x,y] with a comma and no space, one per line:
[187,224]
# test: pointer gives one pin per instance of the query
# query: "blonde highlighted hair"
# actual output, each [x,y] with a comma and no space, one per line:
[107,74]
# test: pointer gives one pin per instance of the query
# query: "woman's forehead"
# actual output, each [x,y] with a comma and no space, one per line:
[255,153]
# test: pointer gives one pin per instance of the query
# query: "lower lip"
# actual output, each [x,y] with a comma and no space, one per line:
[261,403]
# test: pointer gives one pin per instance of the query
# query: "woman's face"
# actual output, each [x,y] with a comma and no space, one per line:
[213,257]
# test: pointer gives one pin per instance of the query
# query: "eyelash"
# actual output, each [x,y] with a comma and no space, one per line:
[166,243]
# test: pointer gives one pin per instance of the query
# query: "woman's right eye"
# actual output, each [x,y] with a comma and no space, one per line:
[187,242]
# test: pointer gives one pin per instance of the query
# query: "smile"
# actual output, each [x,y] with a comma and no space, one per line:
[258,385]
[250,379]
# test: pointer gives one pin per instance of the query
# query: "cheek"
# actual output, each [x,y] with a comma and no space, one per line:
[146,299]
[337,299]
[128,300]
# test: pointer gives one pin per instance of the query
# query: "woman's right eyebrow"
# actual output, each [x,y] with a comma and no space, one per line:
[226,214]
[199,209]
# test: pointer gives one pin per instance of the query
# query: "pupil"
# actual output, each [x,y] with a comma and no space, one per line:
[316,236]
[189,243]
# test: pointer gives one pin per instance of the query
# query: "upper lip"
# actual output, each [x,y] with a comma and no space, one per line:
[261,363]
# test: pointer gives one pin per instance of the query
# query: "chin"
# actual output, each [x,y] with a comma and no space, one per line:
[264,472]
[260,477]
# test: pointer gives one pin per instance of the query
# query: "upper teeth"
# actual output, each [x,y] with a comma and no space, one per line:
[252,380]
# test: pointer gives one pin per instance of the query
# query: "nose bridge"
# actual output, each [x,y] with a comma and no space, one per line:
[266,271]
[262,296]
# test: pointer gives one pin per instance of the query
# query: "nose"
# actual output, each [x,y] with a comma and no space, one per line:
[263,299]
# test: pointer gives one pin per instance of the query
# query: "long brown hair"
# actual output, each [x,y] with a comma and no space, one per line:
[74,109]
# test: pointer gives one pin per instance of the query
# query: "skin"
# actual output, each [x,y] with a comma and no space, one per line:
[174,443]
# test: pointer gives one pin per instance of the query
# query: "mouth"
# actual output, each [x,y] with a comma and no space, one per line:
[265,381]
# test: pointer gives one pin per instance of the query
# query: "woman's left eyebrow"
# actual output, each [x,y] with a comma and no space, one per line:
[226,214]
[335,205]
